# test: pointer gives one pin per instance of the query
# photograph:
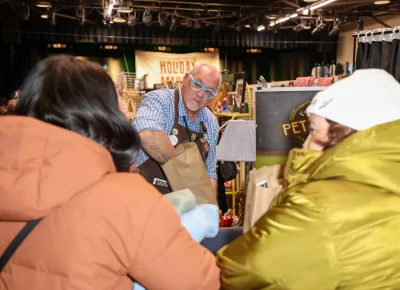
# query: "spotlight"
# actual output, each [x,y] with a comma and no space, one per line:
[197,24]
[53,18]
[216,27]
[260,28]
[124,9]
[298,28]
[119,18]
[43,4]
[80,13]
[320,26]
[335,28]
[162,19]
[110,8]
[23,11]
[174,24]
[132,19]
[147,18]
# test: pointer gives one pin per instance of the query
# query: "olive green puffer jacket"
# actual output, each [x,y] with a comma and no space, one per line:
[336,224]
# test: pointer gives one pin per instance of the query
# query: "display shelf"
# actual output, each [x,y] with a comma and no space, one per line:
[232,115]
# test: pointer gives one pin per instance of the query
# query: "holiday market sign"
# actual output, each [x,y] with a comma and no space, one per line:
[170,67]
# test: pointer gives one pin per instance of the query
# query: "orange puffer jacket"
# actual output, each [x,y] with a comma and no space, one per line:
[99,229]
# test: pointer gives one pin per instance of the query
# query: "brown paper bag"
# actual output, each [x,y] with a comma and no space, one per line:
[189,171]
[258,197]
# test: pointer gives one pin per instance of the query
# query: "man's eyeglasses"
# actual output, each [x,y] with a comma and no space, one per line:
[197,87]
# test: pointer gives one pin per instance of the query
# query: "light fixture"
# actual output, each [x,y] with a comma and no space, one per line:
[305,11]
[197,24]
[174,24]
[247,26]
[260,28]
[281,20]
[216,27]
[321,4]
[320,25]
[80,14]
[132,19]
[23,11]
[294,15]
[43,4]
[310,1]
[162,19]
[335,28]
[272,24]
[124,9]
[119,19]
[271,17]
[147,17]
[382,2]
[44,16]
[110,7]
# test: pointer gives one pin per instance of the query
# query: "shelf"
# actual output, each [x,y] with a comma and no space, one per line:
[232,115]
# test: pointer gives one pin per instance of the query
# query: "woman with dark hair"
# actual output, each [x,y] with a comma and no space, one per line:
[85,222]
[335,225]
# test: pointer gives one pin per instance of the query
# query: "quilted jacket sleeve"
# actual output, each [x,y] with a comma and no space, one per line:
[167,249]
[290,247]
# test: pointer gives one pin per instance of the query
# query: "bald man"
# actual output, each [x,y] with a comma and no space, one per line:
[167,118]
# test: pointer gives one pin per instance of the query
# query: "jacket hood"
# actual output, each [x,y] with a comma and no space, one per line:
[370,157]
[43,166]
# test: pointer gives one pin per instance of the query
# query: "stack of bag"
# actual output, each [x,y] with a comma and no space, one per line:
[264,185]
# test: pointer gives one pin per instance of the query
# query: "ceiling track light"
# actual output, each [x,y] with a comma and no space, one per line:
[110,8]
[147,19]
[321,4]
[43,4]
[174,24]
[335,28]
[162,19]
[119,18]
[124,9]
[320,25]
[80,13]
[197,24]
[260,28]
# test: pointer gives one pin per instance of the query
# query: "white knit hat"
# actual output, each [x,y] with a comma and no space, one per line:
[367,98]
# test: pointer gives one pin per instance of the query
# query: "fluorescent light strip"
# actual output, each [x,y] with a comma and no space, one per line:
[319,5]
[260,28]
[282,20]
[294,15]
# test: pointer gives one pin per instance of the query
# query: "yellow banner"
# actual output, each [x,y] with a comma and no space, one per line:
[164,67]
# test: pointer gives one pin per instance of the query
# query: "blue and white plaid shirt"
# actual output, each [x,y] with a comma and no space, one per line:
[156,112]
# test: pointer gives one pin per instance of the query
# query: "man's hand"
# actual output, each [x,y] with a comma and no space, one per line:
[157,145]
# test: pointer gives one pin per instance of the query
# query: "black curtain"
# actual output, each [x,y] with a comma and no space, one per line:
[380,54]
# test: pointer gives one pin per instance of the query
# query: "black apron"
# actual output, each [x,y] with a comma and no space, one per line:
[151,169]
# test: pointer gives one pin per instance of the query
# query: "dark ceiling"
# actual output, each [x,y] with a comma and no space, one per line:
[233,14]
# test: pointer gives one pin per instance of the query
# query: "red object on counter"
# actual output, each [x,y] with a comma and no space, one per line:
[226,221]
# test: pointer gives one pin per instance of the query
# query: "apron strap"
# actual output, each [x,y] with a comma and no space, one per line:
[17,242]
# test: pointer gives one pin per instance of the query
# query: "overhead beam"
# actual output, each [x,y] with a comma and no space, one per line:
[381,22]
[290,3]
